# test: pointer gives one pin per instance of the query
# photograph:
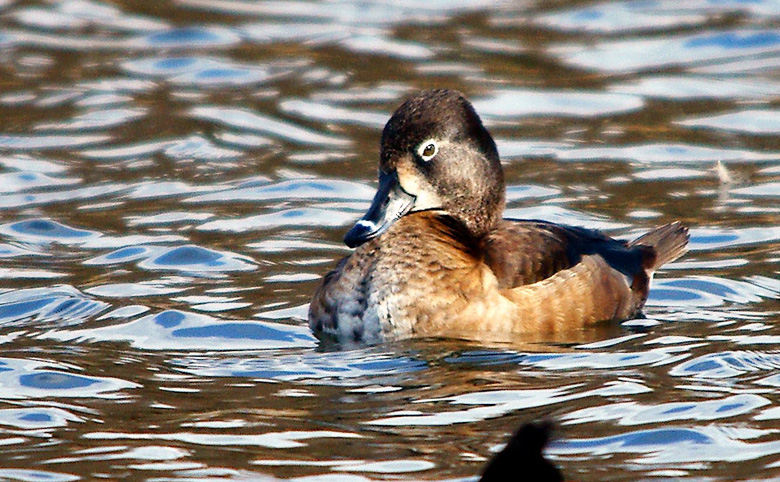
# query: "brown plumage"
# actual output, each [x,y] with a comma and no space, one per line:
[434,257]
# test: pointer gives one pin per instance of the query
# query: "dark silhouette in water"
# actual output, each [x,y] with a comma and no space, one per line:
[522,458]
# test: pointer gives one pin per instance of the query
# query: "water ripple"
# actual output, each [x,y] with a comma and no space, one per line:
[16,200]
[207,155]
[125,152]
[765,189]
[620,17]
[337,368]
[28,379]
[299,189]
[715,46]
[598,360]
[285,218]
[492,404]
[521,102]
[322,112]
[28,475]
[37,418]
[96,120]
[201,71]
[187,38]
[200,149]
[673,445]
[715,238]
[22,142]
[62,304]
[562,215]
[688,88]
[189,258]
[521,193]
[347,13]
[46,231]
[665,153]
[727,364]
[80,14]
[30,180]
[21,162]
[276,440]
[378,43]
[703,291]
[179,330]
[632,413]
[755,121]
[310,32]
[512,148]
[244,119]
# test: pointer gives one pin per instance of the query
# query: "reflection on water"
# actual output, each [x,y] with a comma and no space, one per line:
[175,178]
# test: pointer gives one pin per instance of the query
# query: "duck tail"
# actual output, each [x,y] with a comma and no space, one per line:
[668,242]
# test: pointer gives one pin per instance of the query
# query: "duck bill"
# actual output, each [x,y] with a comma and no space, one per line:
[389,204]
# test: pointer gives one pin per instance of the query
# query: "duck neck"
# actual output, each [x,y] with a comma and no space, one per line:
[479,215]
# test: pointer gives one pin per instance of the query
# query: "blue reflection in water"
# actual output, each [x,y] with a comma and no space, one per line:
[719,239]
[726,408]
[588,15]
[36,417]
[55,381]
[47,229]
[196,258]
[704,291]
[164,66]
[125,253]
[639,439]
[64,304]
[15,311]
[204,71]
[221,73]
[727,364]
[181,258]
[177,63]
[169,319]
[660,294]
[189,255]
[29,379]
[190,36]
[26,475]
[679,410]
[243,331]
[732,40]
[593,359]
[180,330]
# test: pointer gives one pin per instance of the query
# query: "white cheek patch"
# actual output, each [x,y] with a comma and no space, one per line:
[425,196]
[427,199]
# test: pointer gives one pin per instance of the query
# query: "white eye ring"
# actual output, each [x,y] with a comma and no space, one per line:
[427,150]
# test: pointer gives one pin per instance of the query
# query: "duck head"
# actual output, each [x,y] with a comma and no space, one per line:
[435,155]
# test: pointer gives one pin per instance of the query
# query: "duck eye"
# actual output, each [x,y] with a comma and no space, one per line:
[428,150]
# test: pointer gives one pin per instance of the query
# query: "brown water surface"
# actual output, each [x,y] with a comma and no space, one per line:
[176,176]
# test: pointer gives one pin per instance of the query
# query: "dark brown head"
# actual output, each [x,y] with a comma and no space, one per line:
[435,154]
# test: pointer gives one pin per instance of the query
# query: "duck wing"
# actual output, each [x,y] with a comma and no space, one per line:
[598,278]
[522,252]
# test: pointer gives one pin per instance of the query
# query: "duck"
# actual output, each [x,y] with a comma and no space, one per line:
[523,457]
[434,258]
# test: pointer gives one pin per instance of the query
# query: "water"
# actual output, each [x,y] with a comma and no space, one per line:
[175,177]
